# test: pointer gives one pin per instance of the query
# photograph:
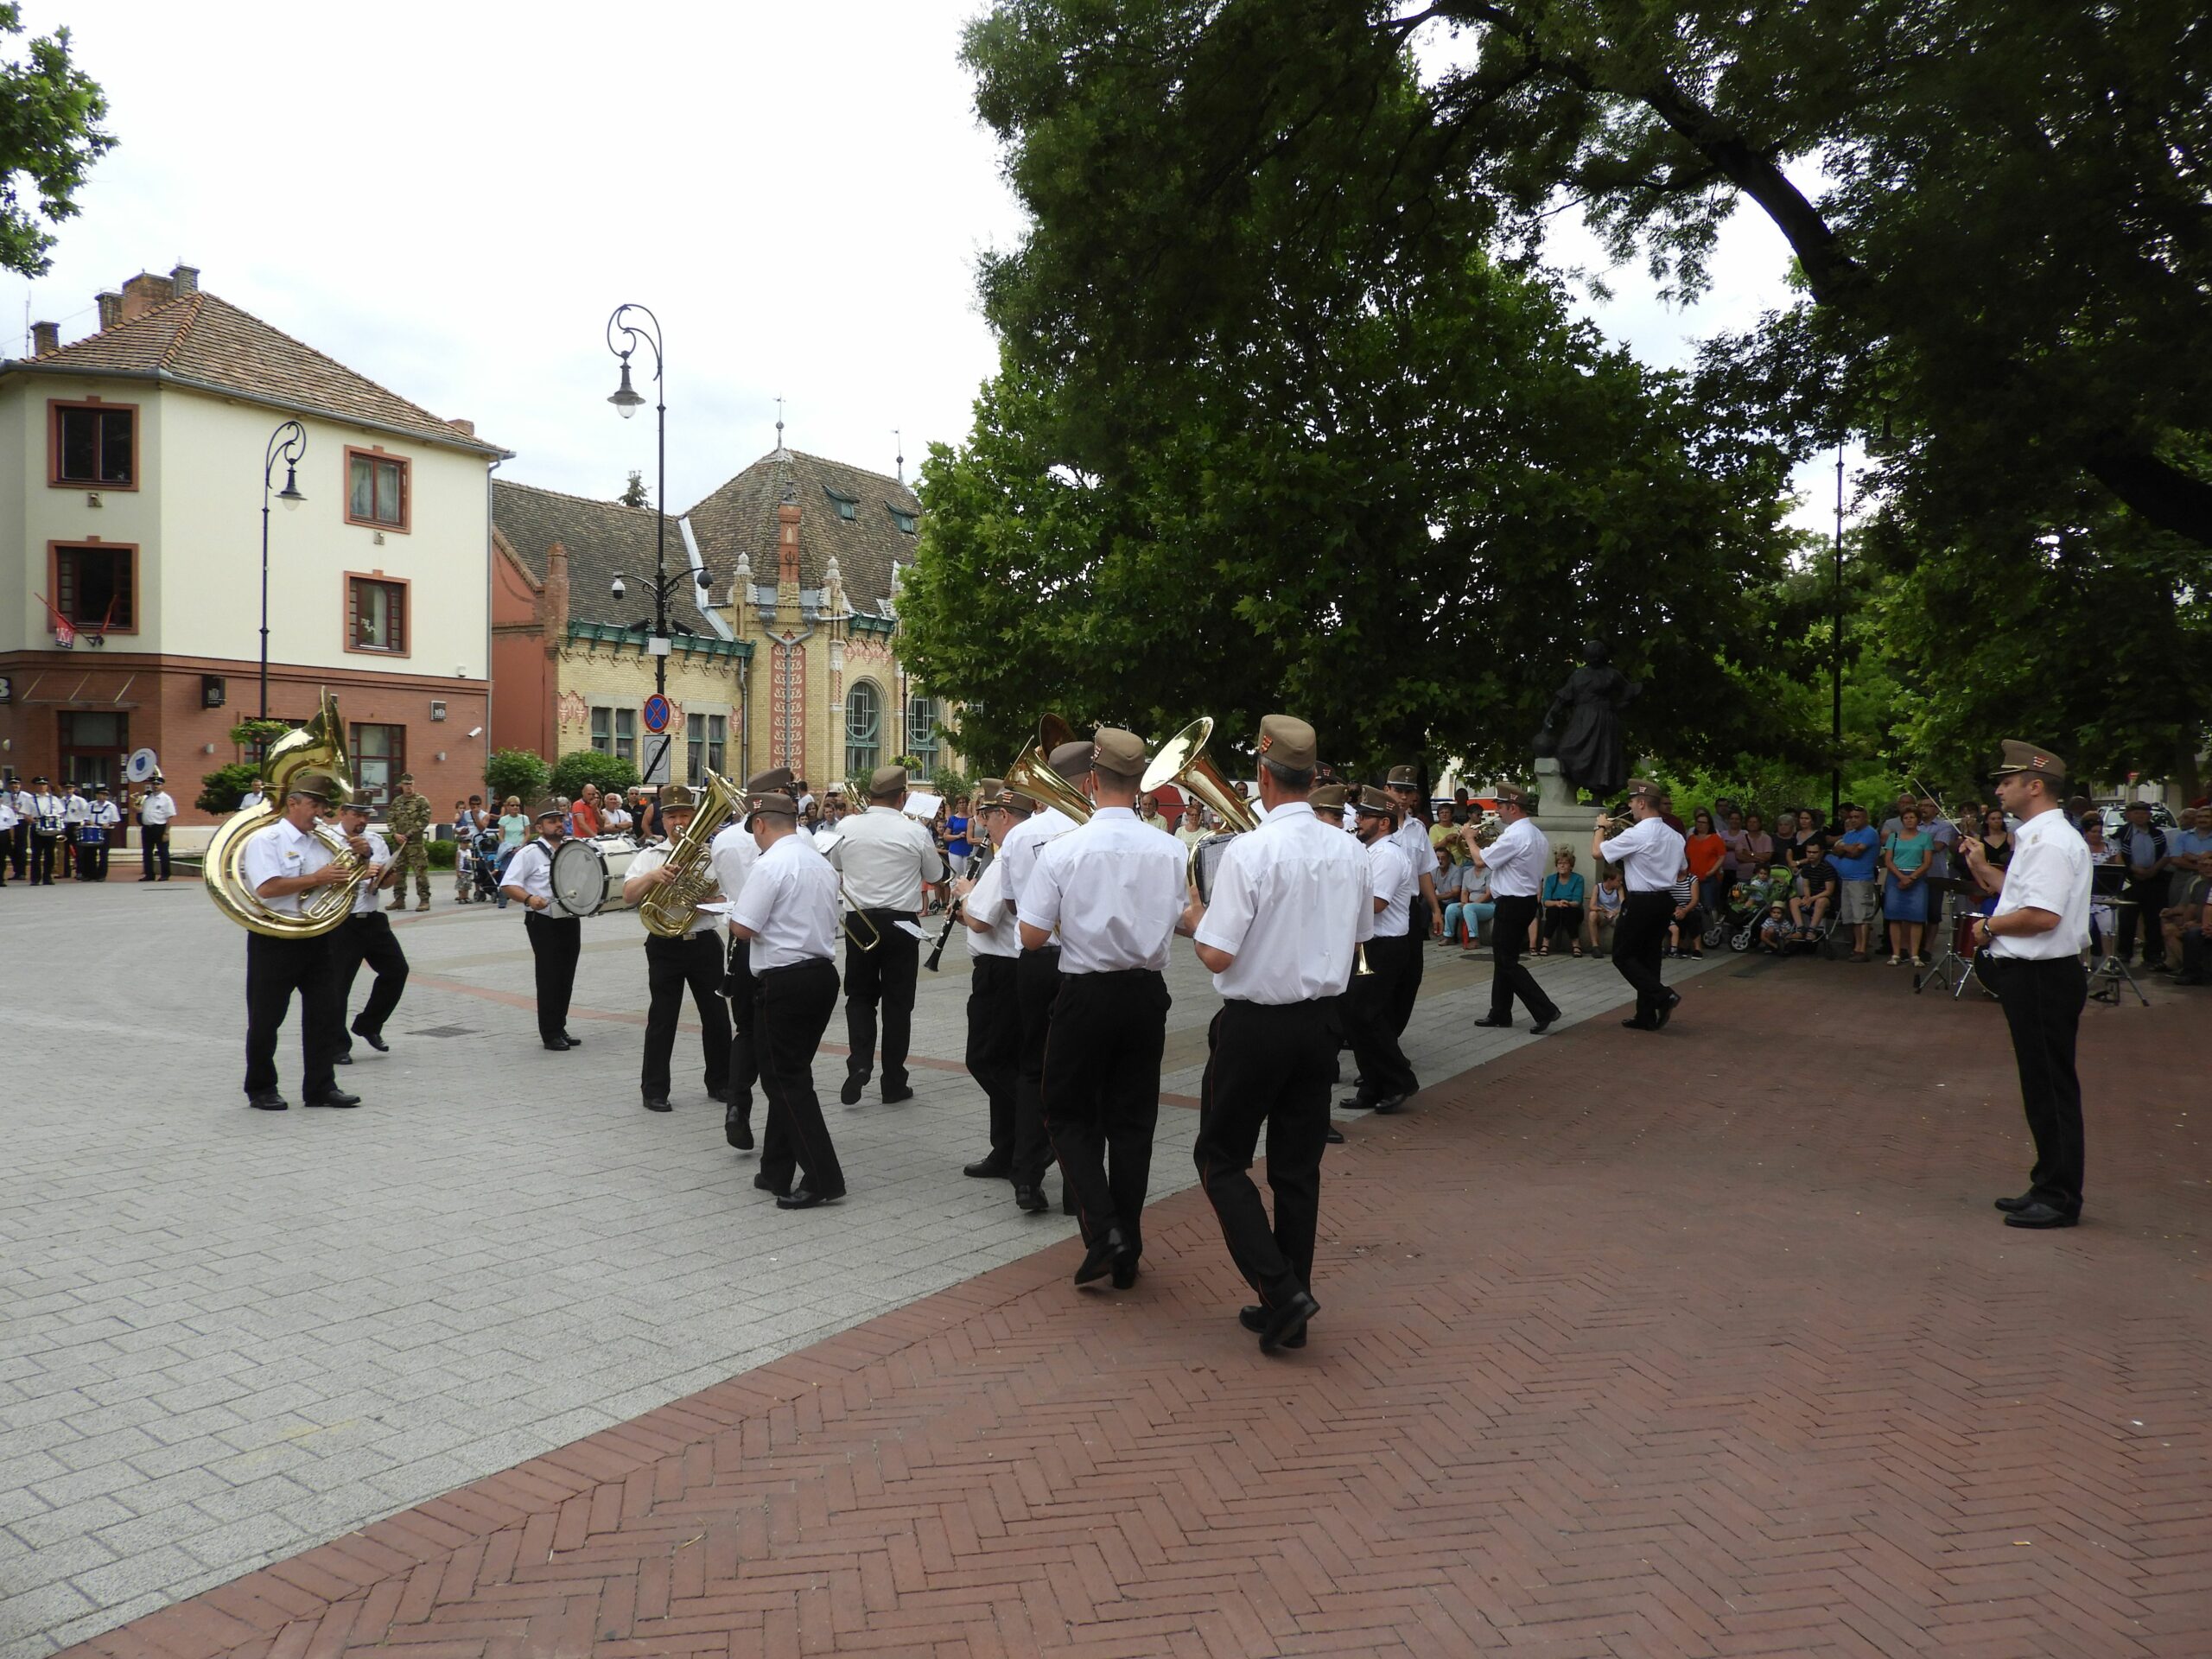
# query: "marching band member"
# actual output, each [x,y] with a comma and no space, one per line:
[11,821]
[154,814]
[1328,802]
[1290,903]
[1115,891]
[366,936]
[1650,856]
[74,809]
[695,960]
[788,914]
[1421,912]
[1386,1077]
[1036,987]
[49,821]
[994,935]
[555,940]
[279,864]
[102,827]
[18,847]
[1516,861]
[732,855]
[886,858]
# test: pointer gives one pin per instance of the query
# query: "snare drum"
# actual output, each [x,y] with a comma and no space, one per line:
[1963,943]
[587,873]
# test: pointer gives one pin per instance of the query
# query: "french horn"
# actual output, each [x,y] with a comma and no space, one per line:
[319,746]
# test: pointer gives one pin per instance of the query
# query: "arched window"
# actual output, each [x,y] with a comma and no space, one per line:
[921,733]
[863,731]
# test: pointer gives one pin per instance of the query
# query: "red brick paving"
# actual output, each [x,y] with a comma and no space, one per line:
[1700,1343]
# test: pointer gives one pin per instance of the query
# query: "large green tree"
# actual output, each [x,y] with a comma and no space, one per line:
[50,135]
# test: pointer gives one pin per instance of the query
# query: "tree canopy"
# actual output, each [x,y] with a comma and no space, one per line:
[50,135]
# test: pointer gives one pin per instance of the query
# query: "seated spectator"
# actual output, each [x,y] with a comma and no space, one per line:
[1686,929]
[1562,895]
[1450,882]
[584,815]
[1819,889]
[1605,912]
[1445,832]
[2188,935]
[2186,912]
[1464,920]
[1192,829]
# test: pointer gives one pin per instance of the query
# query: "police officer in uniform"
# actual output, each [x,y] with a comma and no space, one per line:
[788,914]
[408,817]
[155,813]
[366,936]
[732,855]
[1516,861]
[885,858]
[1037,986]
[1115,890]
[280,864]
[695,960]
[1290,902]
[1650,856]
[557,939]
[1386,1077]
[2033,962]
[994,935]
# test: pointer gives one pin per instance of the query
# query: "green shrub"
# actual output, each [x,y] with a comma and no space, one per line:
[581,767]
[441,854]
[221,790]
[520,773]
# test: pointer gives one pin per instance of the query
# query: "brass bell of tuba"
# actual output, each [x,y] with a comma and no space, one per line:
[1031,772]
[671,910]
[319,746]
[1182,762]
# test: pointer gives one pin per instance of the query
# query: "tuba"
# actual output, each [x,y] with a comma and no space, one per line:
[1182,761]
[1489,828]
[671,910]
[319,746]
[1031,772]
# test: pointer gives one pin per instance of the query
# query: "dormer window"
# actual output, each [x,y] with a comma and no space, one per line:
[900,517]
[849,507]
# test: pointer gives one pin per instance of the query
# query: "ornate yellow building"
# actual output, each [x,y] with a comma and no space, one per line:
[787,656]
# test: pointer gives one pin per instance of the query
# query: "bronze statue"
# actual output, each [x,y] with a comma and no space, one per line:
[1590,751]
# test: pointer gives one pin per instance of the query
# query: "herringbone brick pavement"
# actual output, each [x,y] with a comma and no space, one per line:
[1706,1343]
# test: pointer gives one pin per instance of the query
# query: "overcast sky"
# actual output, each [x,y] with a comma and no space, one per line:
[451,201]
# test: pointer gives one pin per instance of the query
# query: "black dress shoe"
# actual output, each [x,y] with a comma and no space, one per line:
[1288,1319]
[767,1183]
[994,1168]
[804,1198]
[1388,1104]
[341,1059]
[573,1042]
[333,1098]
[892,1097]
[1354,1104]
[269,1101]
[1543,1026]
[719,1096]
[374,1039]
[658,1103]
[850,1094]
[1335,1136]
[2014,1206]
[1495,1023]
[1125,1270]
[1254,1320]
[1099,1261]
[1639,1025]
[2040,1216]
[559,1044]
[1031,1199]
[1666,1008]
[737,1126]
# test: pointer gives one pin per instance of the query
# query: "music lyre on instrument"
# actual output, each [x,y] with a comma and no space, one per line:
[319,746]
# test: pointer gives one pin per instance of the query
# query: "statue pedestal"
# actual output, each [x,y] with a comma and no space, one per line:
[1565,822]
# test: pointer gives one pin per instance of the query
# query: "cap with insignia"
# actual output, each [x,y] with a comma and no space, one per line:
[886,780]
[1644,787]
[1070,760]
[1373,802]
[1288,742]
[1118,753]
[776,780]
[1511,795]
[1403,777]
[676,797]
[1329,798]
[319,784]
[2021,756]
[406,776]
[551,810]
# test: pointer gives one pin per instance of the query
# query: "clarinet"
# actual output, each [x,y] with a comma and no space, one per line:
[952,916]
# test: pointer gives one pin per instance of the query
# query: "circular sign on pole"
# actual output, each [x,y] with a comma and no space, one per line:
[656,713]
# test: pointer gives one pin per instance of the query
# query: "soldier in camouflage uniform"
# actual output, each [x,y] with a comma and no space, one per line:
[410,816]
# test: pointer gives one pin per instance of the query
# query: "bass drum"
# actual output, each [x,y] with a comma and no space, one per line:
[587,874]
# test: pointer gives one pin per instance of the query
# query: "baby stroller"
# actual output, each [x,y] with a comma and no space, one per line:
[482,854]
[1749,909]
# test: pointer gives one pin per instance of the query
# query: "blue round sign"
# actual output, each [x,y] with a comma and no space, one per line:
[656,713]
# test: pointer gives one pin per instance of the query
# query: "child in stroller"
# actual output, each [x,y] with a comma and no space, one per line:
[481,855]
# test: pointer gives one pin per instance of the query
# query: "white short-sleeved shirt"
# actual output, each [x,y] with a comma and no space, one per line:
[282,850]
[251,799]
[158,807]
[732,855]
[75,809]
[1391,880]
[2050,871]
[986,901]
[1518,860]
[1024,842]
[1651,856]
[789,905]
[885,856]
[531,869]
[103,812]
[1115,889]
[650,859]
[1290,902]
[1411,840]
[367,899]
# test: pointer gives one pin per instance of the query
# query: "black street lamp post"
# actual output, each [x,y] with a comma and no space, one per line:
[1835,665]
[289,442]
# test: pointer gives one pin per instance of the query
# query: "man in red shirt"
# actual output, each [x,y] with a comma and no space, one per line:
[585,812]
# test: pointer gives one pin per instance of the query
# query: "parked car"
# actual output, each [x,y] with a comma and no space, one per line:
[2114,811]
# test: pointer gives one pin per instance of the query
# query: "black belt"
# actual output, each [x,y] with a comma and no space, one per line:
[829,962]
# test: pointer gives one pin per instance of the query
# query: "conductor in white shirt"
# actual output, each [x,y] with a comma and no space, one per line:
[885,857]
[2034,941]
[1516,861]
[1650,856]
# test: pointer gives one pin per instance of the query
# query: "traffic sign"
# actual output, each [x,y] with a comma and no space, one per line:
[656,713]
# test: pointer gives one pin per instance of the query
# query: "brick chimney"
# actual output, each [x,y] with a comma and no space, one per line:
[553,599]
[110,305]
[45,337]
[787,544]
[184,279]
[460,425]
[143,292]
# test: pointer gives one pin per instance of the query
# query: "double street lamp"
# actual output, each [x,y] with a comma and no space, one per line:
[627,401]
[287,443]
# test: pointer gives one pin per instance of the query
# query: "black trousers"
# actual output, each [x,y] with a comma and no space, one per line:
[1639,937]
[2149,894]
[671,967]
[1037,988]
[1509,977]
[153,847]
[743,991]
[367,936]
[91,862]
[1102,1093]
[556,941]
[1371,1019]
[1267,1065]
[994,1043]
[791,1009]
[19,849]
[274,969]
[42,850]
[1408,985]
[883,973]
[2043,1003]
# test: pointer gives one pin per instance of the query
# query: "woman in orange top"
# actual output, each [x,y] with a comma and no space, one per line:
[1705,851]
